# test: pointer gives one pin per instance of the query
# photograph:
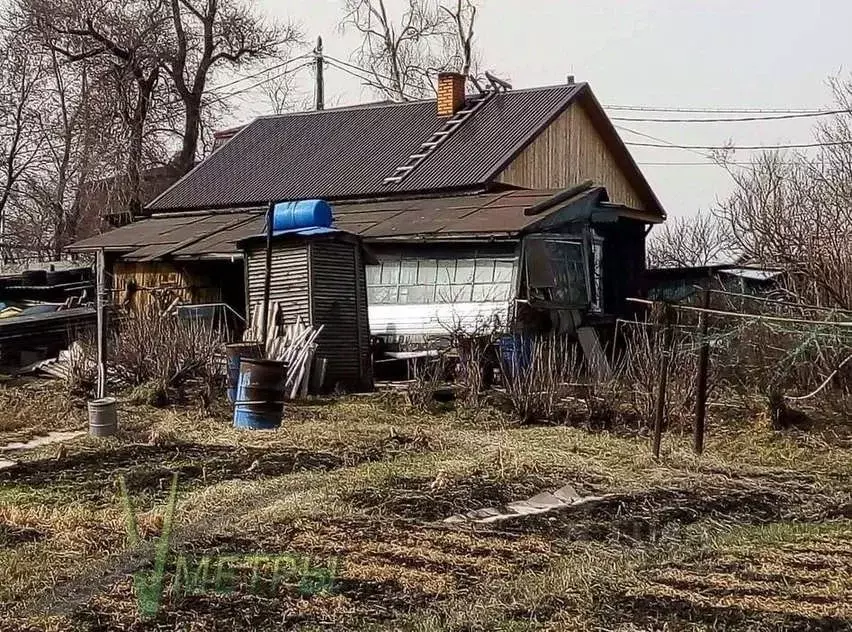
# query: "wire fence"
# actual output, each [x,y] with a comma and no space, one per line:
[793,361]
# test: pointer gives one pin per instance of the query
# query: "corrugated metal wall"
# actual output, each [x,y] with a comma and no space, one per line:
[338,290]
[323,282]
[290,286]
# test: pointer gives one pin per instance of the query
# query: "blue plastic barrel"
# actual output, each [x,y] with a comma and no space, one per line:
[515,353]
[260,394]
[302,214]
[235,352]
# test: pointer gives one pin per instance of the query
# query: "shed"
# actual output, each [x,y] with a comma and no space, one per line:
[318,276]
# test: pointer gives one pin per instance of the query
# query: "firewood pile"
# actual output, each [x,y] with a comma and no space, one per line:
[294,344]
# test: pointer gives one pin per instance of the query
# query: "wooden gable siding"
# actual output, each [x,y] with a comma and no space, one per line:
[567,152]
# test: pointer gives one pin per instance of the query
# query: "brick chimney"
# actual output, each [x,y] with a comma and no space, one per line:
[450,93]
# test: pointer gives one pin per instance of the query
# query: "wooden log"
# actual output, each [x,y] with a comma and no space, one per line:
[665,352]
[701,378]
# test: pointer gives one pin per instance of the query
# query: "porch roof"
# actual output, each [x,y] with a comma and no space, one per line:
[503,214]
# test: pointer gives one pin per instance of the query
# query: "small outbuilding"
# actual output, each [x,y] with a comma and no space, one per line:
[317,276]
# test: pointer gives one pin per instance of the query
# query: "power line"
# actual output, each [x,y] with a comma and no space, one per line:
[351,68]
[649,108]
[675,163]
[662,143]
[740,119]
[690,164]
[259,73]
[659,140]
[258,84]
[742,147]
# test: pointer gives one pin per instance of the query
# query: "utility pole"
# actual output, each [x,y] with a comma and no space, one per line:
[320,81]
[101,307]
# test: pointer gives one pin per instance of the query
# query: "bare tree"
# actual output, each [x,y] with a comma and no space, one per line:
[77,126]
[20,139]
[132,35]
[403,56]
[700,240]
[794,211]
[459,42]
[207,35]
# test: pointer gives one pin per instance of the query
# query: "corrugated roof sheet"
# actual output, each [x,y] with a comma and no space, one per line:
[217,233]
[346,153]
[158,237]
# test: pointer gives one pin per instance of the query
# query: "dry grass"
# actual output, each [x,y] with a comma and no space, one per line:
[366,480]
[32,408]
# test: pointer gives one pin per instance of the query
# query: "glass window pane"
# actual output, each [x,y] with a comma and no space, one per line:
[503,271]
[374,274]
[464,271]
[428,272]
[390,273]
[459,294]
[408,273]
[379,295]
[491,292]
[503,291]
[446,271]
[484,270]
[557,268]
[417,294]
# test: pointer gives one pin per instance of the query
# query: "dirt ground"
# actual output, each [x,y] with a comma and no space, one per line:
[754,535]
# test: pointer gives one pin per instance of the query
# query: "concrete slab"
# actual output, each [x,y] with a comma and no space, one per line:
[37,442]
[545,502]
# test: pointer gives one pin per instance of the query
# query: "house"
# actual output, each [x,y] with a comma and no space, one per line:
[685,283]
[498,206]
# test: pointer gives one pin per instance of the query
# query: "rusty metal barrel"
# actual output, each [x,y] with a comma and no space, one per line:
[236,352]
[260,394]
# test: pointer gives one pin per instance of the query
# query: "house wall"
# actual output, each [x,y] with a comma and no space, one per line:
[567,152]
[402,323]
[160,283]
[623,265]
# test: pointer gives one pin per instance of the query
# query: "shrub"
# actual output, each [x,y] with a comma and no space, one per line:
[538,380]
[163,352]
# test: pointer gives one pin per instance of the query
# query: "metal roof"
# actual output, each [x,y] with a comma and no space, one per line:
[500,214]
[178,235]
[346,153]
[487,213]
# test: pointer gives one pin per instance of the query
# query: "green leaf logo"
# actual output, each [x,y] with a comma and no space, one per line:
[149,585]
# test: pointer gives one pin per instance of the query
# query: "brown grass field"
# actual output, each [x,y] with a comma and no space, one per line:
[754,535]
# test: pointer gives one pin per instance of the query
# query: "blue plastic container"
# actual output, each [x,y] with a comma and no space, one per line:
[260,394]
[302,214]
[515,353]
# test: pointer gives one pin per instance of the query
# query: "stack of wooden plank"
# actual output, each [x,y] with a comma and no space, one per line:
[294,344]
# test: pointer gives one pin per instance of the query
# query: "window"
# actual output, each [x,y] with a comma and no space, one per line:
[422,281]
[557,271]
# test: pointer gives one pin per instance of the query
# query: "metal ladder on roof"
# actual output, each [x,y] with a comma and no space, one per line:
[436,139]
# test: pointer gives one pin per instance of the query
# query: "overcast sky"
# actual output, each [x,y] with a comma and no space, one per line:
[661,53]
